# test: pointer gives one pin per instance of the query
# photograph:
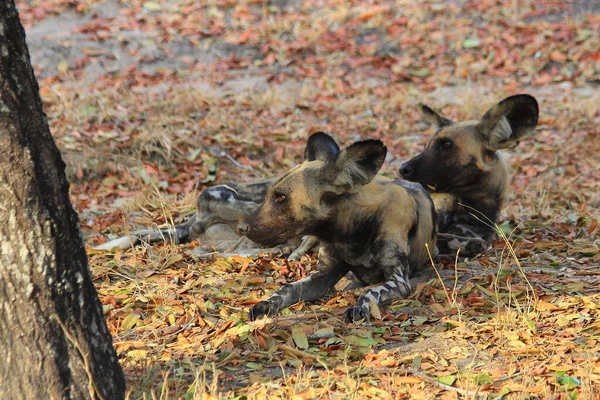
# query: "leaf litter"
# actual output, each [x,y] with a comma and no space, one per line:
[228,90]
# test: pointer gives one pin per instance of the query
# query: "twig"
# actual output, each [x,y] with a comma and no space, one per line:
[438,274]
[505,378]
[296,352]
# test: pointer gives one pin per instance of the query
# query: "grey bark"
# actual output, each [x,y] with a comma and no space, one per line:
[54,342]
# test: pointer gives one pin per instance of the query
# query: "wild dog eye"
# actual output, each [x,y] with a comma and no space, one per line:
[280,198]
[445,144]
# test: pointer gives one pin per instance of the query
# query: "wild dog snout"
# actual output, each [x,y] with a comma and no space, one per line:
[406,170]
[243,228]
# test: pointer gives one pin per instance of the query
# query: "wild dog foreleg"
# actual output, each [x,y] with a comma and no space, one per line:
[308,243]
[395,287]
[181,233]
[449,244]
[310,288]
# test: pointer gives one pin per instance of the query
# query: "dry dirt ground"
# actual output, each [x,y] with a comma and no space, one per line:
[151,101]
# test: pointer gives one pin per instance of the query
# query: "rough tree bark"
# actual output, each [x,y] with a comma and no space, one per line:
[54,342]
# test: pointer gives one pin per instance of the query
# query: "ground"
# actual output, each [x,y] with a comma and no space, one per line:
[151,101]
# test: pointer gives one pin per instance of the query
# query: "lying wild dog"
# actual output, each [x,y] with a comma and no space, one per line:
[222,204]
[375,227]
[465,173]
[227,203]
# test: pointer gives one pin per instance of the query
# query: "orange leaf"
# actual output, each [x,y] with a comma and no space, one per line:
[558,56]
[545,306]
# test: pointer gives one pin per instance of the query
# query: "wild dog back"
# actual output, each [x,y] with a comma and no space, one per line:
[385,214]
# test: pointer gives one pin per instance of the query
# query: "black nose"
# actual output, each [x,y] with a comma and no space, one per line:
[243,228]
[406,170]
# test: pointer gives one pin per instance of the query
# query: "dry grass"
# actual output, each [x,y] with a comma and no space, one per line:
[504,334]
[520,321]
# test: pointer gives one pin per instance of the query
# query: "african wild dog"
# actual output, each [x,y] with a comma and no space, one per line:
[227,203]
[465,173]
[375,227]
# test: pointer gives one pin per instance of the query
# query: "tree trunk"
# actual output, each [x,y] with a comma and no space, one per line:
[54,342]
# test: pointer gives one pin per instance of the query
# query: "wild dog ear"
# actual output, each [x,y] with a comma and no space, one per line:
[356,166]
[509,121]
[321,146]
[434,118]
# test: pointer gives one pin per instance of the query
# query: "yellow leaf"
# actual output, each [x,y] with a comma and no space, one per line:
[137,354]
[130,321]
[173,259]
[516,343]
[152,6]
[437,308]
[241,260]
[374,310]
[590,303]
[545,306]
[299,337]
[379,393]
[63,66]
[306,394]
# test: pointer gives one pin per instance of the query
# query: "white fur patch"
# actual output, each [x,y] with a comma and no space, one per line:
[501,131]
[368,298]
[216,195]
[350,174]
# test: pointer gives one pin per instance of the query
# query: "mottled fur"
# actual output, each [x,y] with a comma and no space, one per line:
[465,173]
[227,203]
[377,228]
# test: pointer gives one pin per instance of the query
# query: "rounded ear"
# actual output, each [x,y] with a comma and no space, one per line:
[434,118]
[356,166]
[321,146]
[509,121]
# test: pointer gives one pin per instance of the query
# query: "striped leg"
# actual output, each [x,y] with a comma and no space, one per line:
[396,286]
[311,288]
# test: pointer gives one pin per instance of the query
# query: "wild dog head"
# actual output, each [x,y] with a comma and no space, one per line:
[461,158]
[301,200]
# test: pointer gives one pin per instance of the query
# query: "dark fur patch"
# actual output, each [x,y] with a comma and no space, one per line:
[309,210]
[436,222]
[413,228]
[322,147]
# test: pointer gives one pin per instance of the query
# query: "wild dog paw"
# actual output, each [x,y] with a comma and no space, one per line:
[295,256]
[267,308]
[197,229]
[475,247]
[448,244]
[357,313]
